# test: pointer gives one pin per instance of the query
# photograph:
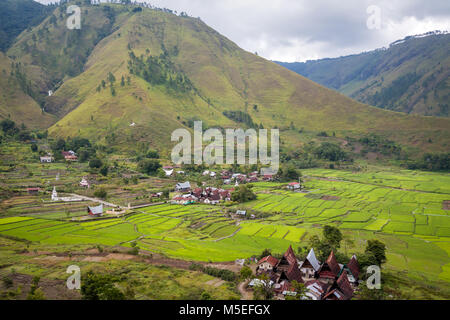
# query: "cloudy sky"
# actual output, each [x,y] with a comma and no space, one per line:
[299,30]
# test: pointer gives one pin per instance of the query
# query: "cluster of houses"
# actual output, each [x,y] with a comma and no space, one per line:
[209,195]
[68,156]
[228,177]
[324,281]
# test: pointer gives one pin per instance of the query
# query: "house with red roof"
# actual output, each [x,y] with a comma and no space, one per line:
[267,264]
[329,270]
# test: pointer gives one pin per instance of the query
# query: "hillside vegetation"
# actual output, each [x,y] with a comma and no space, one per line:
[162,71]
[15,101]
[18,15]
[411,76]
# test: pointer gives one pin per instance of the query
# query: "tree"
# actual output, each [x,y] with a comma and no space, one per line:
[34,147]
[100,193]
[35,293]
[300,289]
[104,170]
[95,163]
[264,289]
[377,250]
[265,253]
[243,194]
[99,287]
[152,154]
[148,166]
[332,236]
[8,126]
[246,273]
[288,173]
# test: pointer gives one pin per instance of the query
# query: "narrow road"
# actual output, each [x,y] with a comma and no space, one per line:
[245,295]
[108,204]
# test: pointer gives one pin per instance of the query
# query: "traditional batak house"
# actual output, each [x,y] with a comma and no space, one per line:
[329,270]
[316,289]
[95,211]
[183,187]
[341,289]
[352,269]
[310,266]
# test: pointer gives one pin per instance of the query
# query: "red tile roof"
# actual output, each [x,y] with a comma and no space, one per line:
[269,259]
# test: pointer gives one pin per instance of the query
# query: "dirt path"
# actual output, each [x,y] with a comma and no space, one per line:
[245,294]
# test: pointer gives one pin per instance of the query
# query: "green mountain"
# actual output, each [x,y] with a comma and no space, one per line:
[18,15]
[161,71]
[411,76]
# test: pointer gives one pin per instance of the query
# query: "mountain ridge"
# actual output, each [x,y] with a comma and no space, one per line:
[411,76]
[96,103]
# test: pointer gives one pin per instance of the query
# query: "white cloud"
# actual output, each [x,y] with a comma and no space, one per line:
[298,30]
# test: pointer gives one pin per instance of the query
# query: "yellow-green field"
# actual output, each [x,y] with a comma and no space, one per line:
[411,222]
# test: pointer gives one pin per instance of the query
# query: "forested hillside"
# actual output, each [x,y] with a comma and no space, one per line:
[411,76]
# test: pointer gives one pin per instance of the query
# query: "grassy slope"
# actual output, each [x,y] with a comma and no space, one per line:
[223,73]
[16,16]
[361,76]
[16,104]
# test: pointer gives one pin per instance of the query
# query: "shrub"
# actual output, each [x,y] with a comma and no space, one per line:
[100,193]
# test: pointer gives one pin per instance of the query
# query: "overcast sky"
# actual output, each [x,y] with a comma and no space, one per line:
[299,30]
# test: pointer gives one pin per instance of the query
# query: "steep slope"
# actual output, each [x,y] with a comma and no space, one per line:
[177,69]
[18,15]
[15,103]
[411,76]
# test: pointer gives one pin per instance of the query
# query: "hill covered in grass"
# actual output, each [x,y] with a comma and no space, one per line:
[159,71]
[410,76]
[15,100]
[18,15]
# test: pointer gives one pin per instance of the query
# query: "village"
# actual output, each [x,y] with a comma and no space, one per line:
[328,280]
[184,192]
[323,281]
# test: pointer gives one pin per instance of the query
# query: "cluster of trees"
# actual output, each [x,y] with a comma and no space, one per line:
[160,70]
[81,146]
[288,173]
[332,152]
[243,193]
[10,130]
[432,162]
[149,166]
[388,96]
[375,143]
[95,286]
[240,117]
[374,254]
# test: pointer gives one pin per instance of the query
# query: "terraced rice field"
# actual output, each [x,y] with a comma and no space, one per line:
[401,209]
